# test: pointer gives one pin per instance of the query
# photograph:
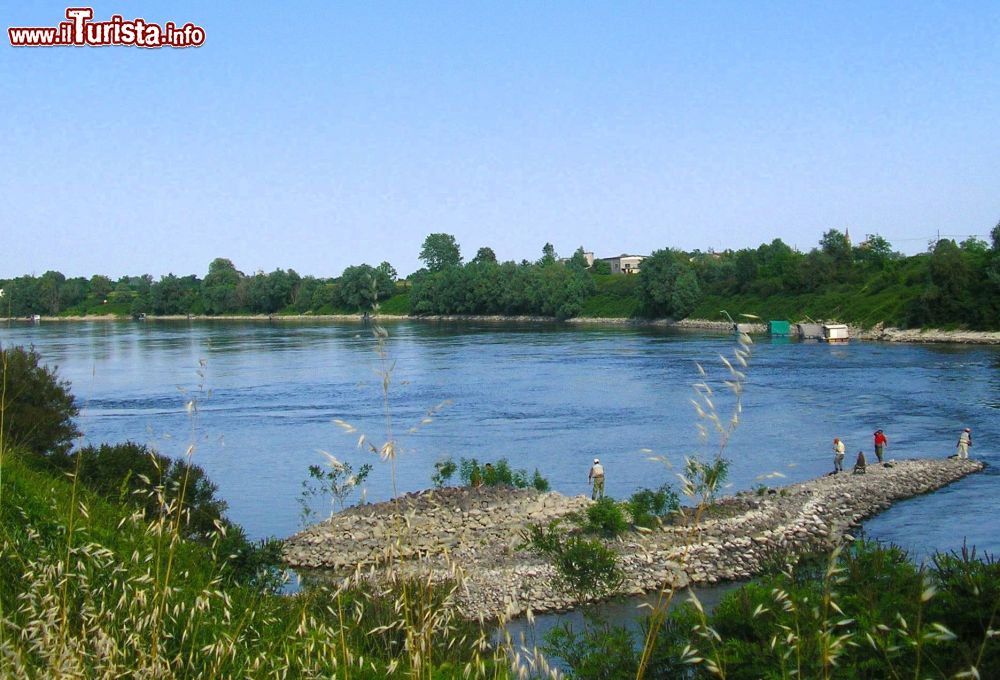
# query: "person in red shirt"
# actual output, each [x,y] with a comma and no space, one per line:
[880,442]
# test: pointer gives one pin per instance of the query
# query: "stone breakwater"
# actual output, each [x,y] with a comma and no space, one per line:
[477,533]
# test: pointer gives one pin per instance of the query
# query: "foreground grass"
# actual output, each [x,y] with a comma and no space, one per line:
[865,612]
[88,588]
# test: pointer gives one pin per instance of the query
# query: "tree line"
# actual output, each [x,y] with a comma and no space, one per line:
[949,284]
[224,290]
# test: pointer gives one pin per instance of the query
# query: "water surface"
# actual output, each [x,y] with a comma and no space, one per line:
[545,396]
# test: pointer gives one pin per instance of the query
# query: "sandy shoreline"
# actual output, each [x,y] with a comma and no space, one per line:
[878,333]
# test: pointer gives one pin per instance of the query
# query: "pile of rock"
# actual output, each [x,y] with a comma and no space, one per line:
[480,532]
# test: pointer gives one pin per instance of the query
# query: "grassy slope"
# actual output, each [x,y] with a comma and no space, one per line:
[616,297]
[205,628]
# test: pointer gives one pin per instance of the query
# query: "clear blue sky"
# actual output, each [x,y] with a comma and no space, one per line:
[315,135]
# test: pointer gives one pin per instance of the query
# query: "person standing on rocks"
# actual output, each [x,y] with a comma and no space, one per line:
[838,455]
[880,442]
[964,442]
[596,477]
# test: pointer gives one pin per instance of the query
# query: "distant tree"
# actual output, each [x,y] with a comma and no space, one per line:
[875,251]
[686,294]
[836,245]
[38,408]
[50,291]
[548,255]
[388,271]
[485,254]
[173,295]
[73,291]
[974,245]
[667,285]
[746,269]
[100,286]
[947,297]
[360,285]
[440,251]
[219,286]
[995,237]
[601,267]
[579,259]
[122,293]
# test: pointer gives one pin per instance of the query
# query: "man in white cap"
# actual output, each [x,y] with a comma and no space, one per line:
[964,442]
[597,477]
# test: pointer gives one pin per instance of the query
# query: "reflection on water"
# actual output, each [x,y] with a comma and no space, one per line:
[549,396]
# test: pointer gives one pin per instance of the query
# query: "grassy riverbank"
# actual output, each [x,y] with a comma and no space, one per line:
[105,592]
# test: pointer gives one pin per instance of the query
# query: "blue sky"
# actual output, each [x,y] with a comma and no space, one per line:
[317,135]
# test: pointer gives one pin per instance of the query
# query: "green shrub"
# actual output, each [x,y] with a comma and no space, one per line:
[605,517]
[338,481]
[498,474]
[444,470]
[588,567]
[539,482]
[648,507]
[133,474]
[584,566]
[37,408]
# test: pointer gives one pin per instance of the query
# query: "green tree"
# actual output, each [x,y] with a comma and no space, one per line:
[667,285]
[548,255]
[37,406]
[579,259]
[219,286]
[50,291]
[947,298]
[360,284]
[875,251]
[387,272]
[484,255]
[100,286]
[440,251]
[836,244]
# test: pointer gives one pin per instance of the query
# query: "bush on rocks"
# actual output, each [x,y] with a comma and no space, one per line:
[648,507]
[585,566]
[605,518]
[497,474]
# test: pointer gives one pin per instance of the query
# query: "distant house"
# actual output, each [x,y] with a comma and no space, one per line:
[624,264]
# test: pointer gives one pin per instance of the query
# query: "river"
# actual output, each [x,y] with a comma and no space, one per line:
[546,396]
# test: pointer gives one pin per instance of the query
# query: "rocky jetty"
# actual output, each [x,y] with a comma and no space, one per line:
[478,533]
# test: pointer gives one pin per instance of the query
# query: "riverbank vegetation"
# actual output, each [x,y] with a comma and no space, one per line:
[950,285]
[866,612]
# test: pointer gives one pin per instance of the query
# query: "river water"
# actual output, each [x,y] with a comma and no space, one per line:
[550,397]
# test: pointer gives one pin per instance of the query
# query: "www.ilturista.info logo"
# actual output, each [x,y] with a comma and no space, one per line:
[80,31]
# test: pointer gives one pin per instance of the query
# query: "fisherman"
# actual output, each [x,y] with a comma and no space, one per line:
[838,455]
[860,467]
[597,478]
[964,442]
[880,442]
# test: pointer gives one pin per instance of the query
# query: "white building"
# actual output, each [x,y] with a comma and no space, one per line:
[624,264]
